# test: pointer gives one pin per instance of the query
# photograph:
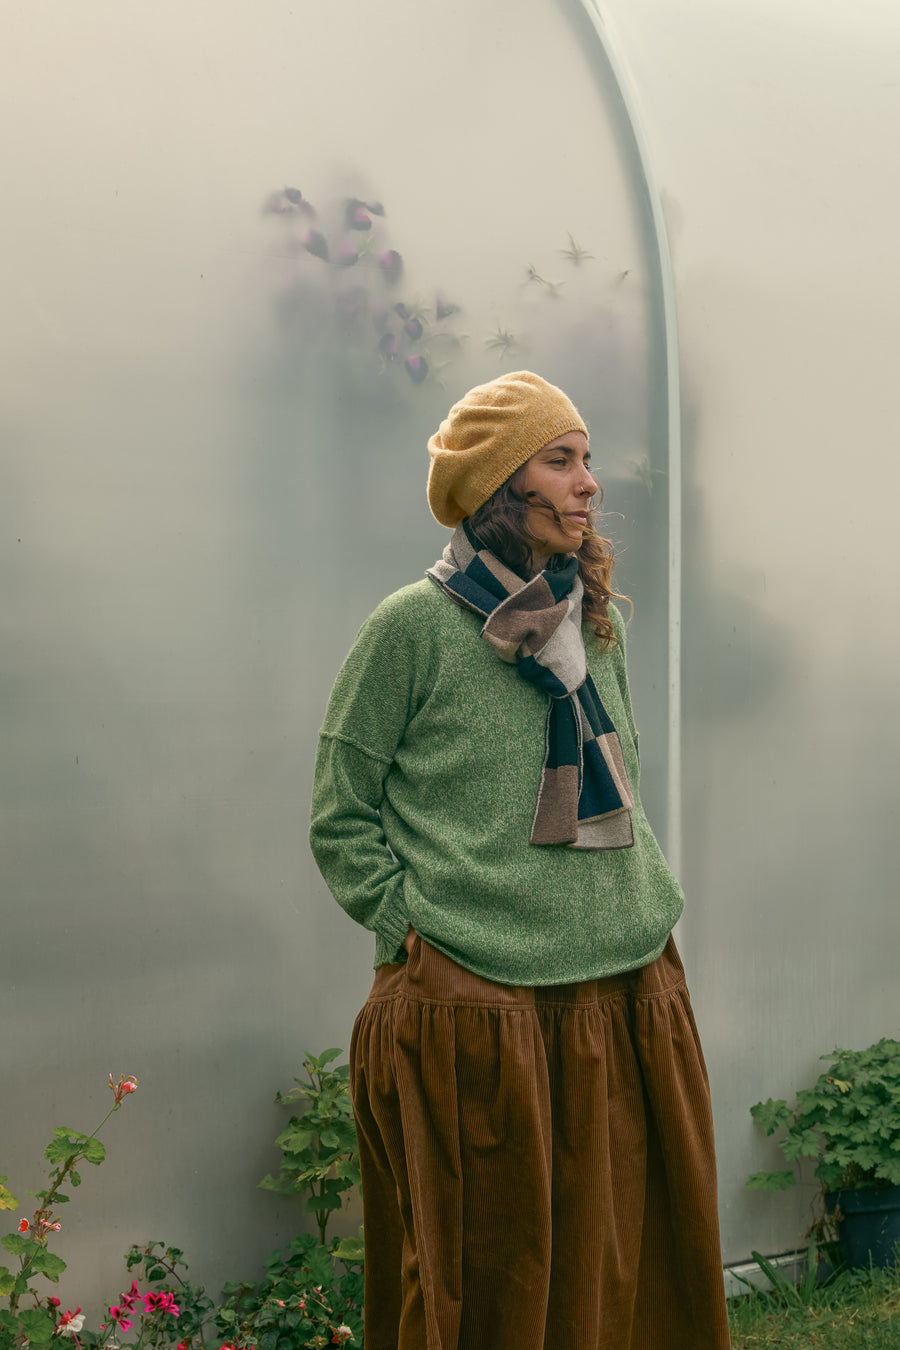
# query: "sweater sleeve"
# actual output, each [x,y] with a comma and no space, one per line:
[377,693]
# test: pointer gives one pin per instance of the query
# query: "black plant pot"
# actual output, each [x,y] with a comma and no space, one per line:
[870,1227]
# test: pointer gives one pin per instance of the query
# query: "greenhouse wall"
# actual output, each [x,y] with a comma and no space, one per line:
[251,255]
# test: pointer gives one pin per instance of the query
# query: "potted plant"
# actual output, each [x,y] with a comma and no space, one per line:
[849,1121]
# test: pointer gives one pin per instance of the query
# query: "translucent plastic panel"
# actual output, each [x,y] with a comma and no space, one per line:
[253,253]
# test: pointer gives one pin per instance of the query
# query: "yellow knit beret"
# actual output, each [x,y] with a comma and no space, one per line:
[484,438]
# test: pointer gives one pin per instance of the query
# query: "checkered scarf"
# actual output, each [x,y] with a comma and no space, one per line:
[584,798]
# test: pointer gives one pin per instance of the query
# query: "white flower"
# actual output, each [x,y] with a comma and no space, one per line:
[344,1332]
[73,1326]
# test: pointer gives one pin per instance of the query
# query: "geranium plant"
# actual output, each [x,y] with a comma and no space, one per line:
[319,1146]
[42,1319]
[849,1121]
[310,1296]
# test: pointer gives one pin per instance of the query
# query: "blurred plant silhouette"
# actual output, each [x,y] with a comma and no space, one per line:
[341,292]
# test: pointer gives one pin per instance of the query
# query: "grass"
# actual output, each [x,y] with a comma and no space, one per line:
[856,1310]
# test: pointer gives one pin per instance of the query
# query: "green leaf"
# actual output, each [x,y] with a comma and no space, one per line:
[777,1278]
[350,1249]
[94,1151]
[771,1115]
[61,1150]
[7,1199]
[7,1280]
[317,1203]
[326,1057]
[18,1244]
[770,1181]
[37,1325]
[812,1260]
[49,1264]
[75,1178]
[801,1144]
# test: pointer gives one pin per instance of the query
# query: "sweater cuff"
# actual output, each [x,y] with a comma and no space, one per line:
[389,936]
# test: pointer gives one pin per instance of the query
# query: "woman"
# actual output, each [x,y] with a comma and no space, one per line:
[530,1096]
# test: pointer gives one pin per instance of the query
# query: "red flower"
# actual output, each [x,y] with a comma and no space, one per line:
[23,1225]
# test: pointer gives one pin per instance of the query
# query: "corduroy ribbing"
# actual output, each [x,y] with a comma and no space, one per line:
[538,1164]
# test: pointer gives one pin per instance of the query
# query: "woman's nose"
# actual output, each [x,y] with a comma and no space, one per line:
[589,485]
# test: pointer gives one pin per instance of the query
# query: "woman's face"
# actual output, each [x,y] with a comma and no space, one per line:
[560,472]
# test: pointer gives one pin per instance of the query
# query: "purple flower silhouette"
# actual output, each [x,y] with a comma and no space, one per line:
[315,243]
[416,368]
[294,195]
[402,311]
[413,329]
[375,207]
[388,346]
[391,265]
[345,255]
[356,217]
[276,204]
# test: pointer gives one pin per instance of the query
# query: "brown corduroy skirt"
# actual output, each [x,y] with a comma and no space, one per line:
[538,1166]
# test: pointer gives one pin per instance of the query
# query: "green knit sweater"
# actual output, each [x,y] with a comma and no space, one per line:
[425,787]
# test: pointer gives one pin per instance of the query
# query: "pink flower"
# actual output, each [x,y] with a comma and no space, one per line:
[162,1299]
[123,1088]
[131,1298]
[118,1315]
[413,329]
[54,1302]
[23,1226]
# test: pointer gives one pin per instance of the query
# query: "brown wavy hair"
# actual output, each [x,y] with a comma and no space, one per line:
[501,524]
